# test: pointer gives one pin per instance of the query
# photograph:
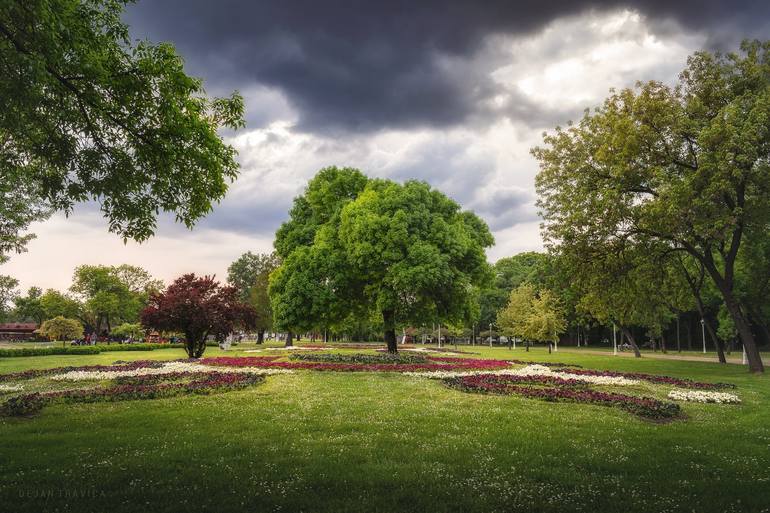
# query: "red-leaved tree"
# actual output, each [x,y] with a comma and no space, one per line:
[198,307]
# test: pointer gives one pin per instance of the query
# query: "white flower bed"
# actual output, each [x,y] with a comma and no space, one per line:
[167,368]
[703,396]
[10,388]
[531,370]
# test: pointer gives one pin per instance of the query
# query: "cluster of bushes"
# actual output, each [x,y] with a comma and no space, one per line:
[80,350]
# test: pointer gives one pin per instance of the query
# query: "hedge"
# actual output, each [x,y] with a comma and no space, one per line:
[48,351]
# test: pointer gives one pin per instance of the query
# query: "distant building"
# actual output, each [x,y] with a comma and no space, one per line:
[18,331]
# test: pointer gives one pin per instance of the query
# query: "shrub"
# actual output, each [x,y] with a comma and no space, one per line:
[48,351]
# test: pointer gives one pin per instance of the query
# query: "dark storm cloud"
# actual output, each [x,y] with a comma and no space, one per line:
[359,66]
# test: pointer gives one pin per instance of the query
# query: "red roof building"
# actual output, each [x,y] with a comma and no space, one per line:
[18,331]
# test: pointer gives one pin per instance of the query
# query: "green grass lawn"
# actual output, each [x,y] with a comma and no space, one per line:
[314,441]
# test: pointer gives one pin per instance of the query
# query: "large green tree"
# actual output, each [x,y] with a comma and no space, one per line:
[250,275]
[111,295]
[687,167]
[405,251]
[89,114]
[29,307]
[509,273]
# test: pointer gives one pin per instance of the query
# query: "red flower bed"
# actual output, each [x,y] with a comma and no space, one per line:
[651,378]
[448,364]
[557,389]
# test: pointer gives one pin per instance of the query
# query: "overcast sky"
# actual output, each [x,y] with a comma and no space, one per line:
[451,92]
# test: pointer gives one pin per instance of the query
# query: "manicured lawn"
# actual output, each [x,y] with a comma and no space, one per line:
[327,441]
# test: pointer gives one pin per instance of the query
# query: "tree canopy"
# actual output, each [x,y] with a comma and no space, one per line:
[684,168]
[90,115]
[197,307]
[352,244]
[62,328]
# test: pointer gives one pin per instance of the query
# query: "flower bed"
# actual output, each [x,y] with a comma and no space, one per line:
[532,370]
[140,387]
[37,373]
[167,368]
[701,396]
[652,378]
[10,388]
[119,366]
[359,358]
[558,389]
[433,364]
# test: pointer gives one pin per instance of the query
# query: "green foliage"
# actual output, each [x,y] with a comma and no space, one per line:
[8,294]
[112,295]
[250,274]
[128,329]
[402,250]
[669,169]
[244,272]
[54,304]
[90,114]
[30,307]
[61,328]
[532,315]
[509,273]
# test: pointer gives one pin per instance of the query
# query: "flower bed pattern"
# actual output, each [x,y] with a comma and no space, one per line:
[652,378]
[139,387]
[558,389]
[359,358]
[433,364]
[701,396]
[531,370]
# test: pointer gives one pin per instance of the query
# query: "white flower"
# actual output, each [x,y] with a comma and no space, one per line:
[10,388]
[703,396]
[168,368]
[530,370]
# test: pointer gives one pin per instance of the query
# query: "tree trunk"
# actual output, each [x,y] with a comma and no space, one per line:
[725,286]
[260,336]
[663,344]
[527,344]
[389,324]
[289,339]
[744,330]
[718,343]
[549,347]
[630,337]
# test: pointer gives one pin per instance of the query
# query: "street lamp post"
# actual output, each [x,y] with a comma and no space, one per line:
[614,341]
[703,334]
[490,334]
